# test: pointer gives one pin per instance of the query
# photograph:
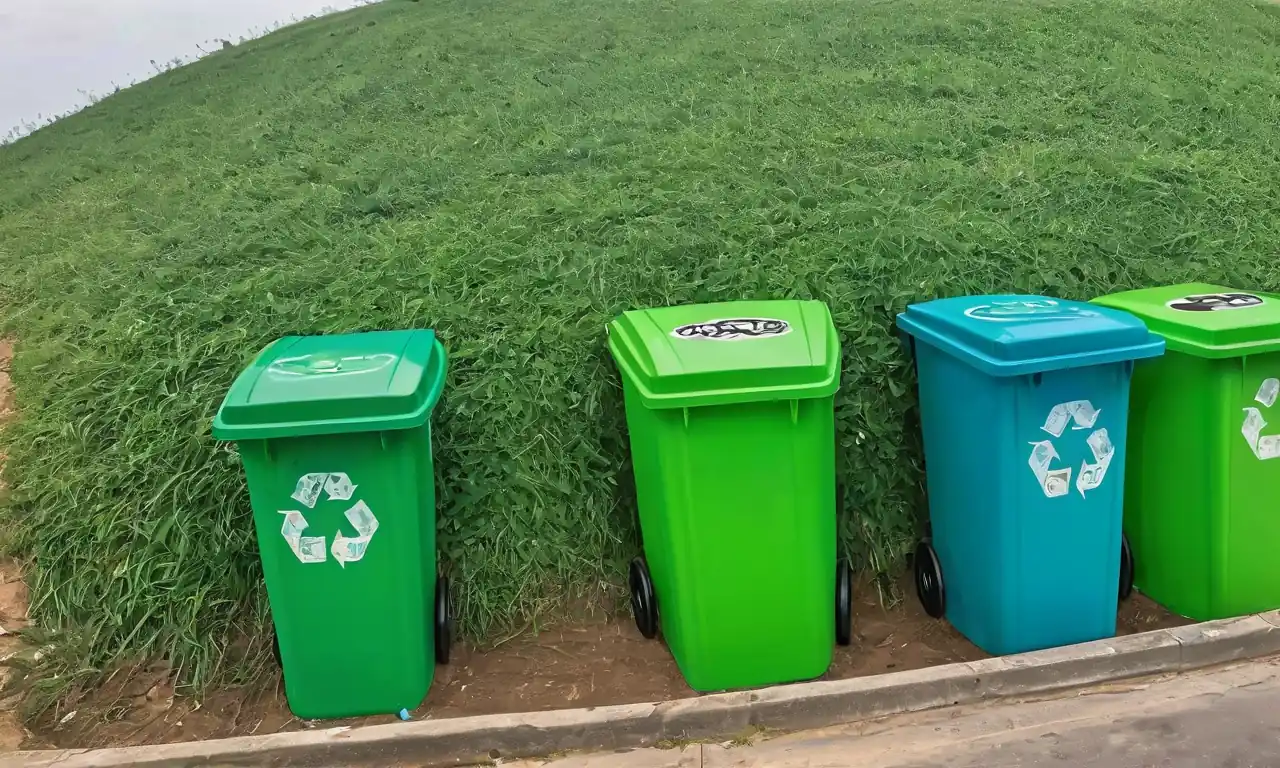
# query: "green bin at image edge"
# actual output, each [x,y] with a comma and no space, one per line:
[730,413]
[1203,472]
[335,437]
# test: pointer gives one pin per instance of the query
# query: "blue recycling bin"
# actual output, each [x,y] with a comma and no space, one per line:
[1024,407]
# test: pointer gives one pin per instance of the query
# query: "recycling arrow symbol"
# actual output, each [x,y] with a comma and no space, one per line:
[1263,446]
[1081,415]
[335,486]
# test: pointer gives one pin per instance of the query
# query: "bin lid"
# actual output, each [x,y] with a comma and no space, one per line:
[733,352]
[315,385]
[1017,335]
[1206,320]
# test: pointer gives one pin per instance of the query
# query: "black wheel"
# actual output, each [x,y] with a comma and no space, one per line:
[844,603]
[275,649]
[929,588]
[1126,568]
[644,604]
[444,620]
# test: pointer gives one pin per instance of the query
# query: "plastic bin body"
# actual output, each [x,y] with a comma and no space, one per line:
[1200,511]
[1029,553]
[733,449]
[334,434]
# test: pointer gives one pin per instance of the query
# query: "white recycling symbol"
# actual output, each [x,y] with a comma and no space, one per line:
[1263,446]
[336,486]
[1081,415]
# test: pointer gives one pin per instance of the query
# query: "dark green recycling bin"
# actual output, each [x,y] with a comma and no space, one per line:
[335,436]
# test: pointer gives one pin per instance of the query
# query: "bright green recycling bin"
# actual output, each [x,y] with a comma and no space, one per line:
[729,409]
[335,437]
[1203,473]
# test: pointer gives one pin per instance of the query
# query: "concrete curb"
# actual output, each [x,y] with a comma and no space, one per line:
[470,740]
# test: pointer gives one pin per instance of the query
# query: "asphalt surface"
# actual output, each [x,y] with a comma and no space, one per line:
[1222,718]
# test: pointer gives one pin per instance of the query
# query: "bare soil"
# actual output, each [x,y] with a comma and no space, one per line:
[586,664]
[13,592]
[13,613]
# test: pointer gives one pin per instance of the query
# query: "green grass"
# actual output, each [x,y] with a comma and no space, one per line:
[516,174]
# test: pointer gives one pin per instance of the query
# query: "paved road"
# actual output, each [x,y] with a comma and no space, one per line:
[1226,718]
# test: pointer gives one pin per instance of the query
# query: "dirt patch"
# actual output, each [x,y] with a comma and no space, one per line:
[1141,614]
[904,637]
[13,591]
[586,664]
[13,617]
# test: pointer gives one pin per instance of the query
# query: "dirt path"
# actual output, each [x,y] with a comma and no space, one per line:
[592,663]
[13,614]
[13,592]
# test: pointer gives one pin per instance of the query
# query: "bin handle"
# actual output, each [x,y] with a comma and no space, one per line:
[442,360]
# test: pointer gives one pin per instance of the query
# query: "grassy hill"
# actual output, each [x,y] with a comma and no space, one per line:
[516,174]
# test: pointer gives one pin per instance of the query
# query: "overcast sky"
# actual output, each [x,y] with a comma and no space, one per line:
[55,52]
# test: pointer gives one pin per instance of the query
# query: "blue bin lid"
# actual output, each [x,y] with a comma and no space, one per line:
[1017,335]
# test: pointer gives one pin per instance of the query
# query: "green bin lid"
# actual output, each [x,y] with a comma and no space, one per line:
[316,385]
[1206,320]
[735,352]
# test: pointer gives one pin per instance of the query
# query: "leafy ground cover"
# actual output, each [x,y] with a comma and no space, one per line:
[515,175]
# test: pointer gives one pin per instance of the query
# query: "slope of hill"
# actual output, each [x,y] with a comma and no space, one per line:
[514,175]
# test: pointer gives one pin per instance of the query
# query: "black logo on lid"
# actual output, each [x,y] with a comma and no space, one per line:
[733,329]
[1213,302]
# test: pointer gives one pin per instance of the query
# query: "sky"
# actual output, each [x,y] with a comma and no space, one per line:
[55,53]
